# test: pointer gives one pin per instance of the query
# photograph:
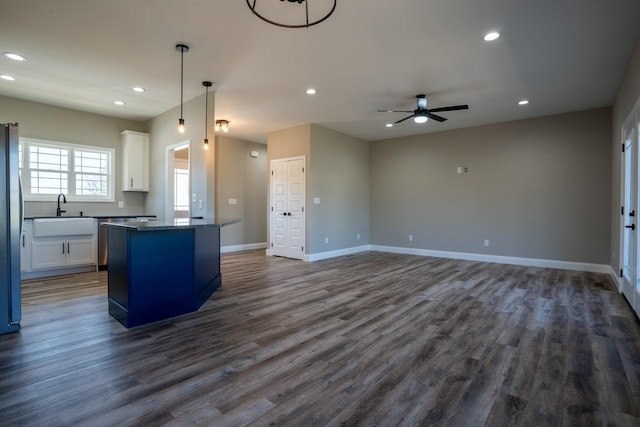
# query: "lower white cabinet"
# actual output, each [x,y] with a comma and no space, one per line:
[52,253]
[43,254]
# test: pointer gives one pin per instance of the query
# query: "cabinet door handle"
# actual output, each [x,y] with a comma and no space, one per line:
[23,244]
[63,247]
[68,248]
[131,182]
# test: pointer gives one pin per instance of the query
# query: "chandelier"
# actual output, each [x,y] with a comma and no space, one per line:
[321,10]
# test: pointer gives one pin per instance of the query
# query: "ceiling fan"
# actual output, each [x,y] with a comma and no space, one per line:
[422,114]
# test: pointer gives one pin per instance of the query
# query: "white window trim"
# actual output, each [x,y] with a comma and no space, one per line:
[110,198]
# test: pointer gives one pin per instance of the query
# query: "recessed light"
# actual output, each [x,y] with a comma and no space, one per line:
[489,37]
[138,89]
[523,102]
[14,56]
[119,102]
[311,91]
[389,125]
[7,77]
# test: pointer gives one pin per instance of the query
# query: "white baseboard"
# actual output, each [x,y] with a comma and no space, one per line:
[239,248]
[336,253]
[499,259]
[616,278]
[39,274]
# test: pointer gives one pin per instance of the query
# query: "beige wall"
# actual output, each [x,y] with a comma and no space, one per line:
[337,172]
[339,177]
[537,188]
[41,121]
[245,179]
[285,143]
[628,95]
[164,133]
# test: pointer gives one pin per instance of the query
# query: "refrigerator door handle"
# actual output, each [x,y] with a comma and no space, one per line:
[21,204]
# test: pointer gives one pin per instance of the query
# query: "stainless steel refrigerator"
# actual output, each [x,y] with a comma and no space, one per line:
[11,217]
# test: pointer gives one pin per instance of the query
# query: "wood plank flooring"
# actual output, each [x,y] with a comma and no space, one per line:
[370,339]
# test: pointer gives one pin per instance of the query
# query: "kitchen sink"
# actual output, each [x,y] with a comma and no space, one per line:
[44,227]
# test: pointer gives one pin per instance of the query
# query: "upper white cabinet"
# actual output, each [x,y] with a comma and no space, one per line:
[135,161]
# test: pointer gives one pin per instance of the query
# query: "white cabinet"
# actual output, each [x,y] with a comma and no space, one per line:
[25,247]
[57,246]
[135,161]
[52,252]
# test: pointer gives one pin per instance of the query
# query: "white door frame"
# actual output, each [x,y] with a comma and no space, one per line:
[169,167]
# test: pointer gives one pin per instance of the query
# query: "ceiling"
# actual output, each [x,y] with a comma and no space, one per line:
[561,55]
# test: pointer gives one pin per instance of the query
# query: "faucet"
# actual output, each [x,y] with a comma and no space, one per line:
[64,200]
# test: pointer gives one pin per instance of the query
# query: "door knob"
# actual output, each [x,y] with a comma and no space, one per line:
[632,226]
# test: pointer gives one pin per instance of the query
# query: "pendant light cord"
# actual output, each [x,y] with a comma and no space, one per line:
[206,111]
[181,78]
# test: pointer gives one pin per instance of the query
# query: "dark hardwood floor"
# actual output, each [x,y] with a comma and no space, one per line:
[371,339]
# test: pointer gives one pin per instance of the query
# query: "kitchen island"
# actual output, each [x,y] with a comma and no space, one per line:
[163,268]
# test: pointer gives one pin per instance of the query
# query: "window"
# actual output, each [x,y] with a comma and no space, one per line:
[81,172]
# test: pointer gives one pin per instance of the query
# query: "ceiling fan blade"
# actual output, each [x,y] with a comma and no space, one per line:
[452,108]
[402,120]
[395,111]
[436,118]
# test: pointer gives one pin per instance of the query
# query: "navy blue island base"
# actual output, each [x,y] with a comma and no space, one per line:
[161,269]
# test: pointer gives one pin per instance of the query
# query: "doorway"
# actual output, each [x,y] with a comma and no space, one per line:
[178,185]
[287,217]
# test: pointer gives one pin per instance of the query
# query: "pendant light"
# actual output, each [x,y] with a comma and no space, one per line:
[206,85]
[182,48]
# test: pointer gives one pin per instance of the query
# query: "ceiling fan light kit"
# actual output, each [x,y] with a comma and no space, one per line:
[421,114]
[420,118]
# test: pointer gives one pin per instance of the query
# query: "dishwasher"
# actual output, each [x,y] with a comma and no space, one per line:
[103,243]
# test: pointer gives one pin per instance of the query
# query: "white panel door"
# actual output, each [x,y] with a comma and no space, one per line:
[628,211]
[295,214]
[287,207]
[279,208]
[630,259]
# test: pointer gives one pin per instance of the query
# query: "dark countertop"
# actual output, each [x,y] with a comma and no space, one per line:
[172,224]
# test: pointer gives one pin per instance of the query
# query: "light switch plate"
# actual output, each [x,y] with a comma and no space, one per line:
[233,201]
[316,200]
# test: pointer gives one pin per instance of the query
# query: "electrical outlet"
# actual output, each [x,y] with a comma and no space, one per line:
[200,203]
[358,237]
[121,204]
[486,242]
[411,237]
[326,240]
